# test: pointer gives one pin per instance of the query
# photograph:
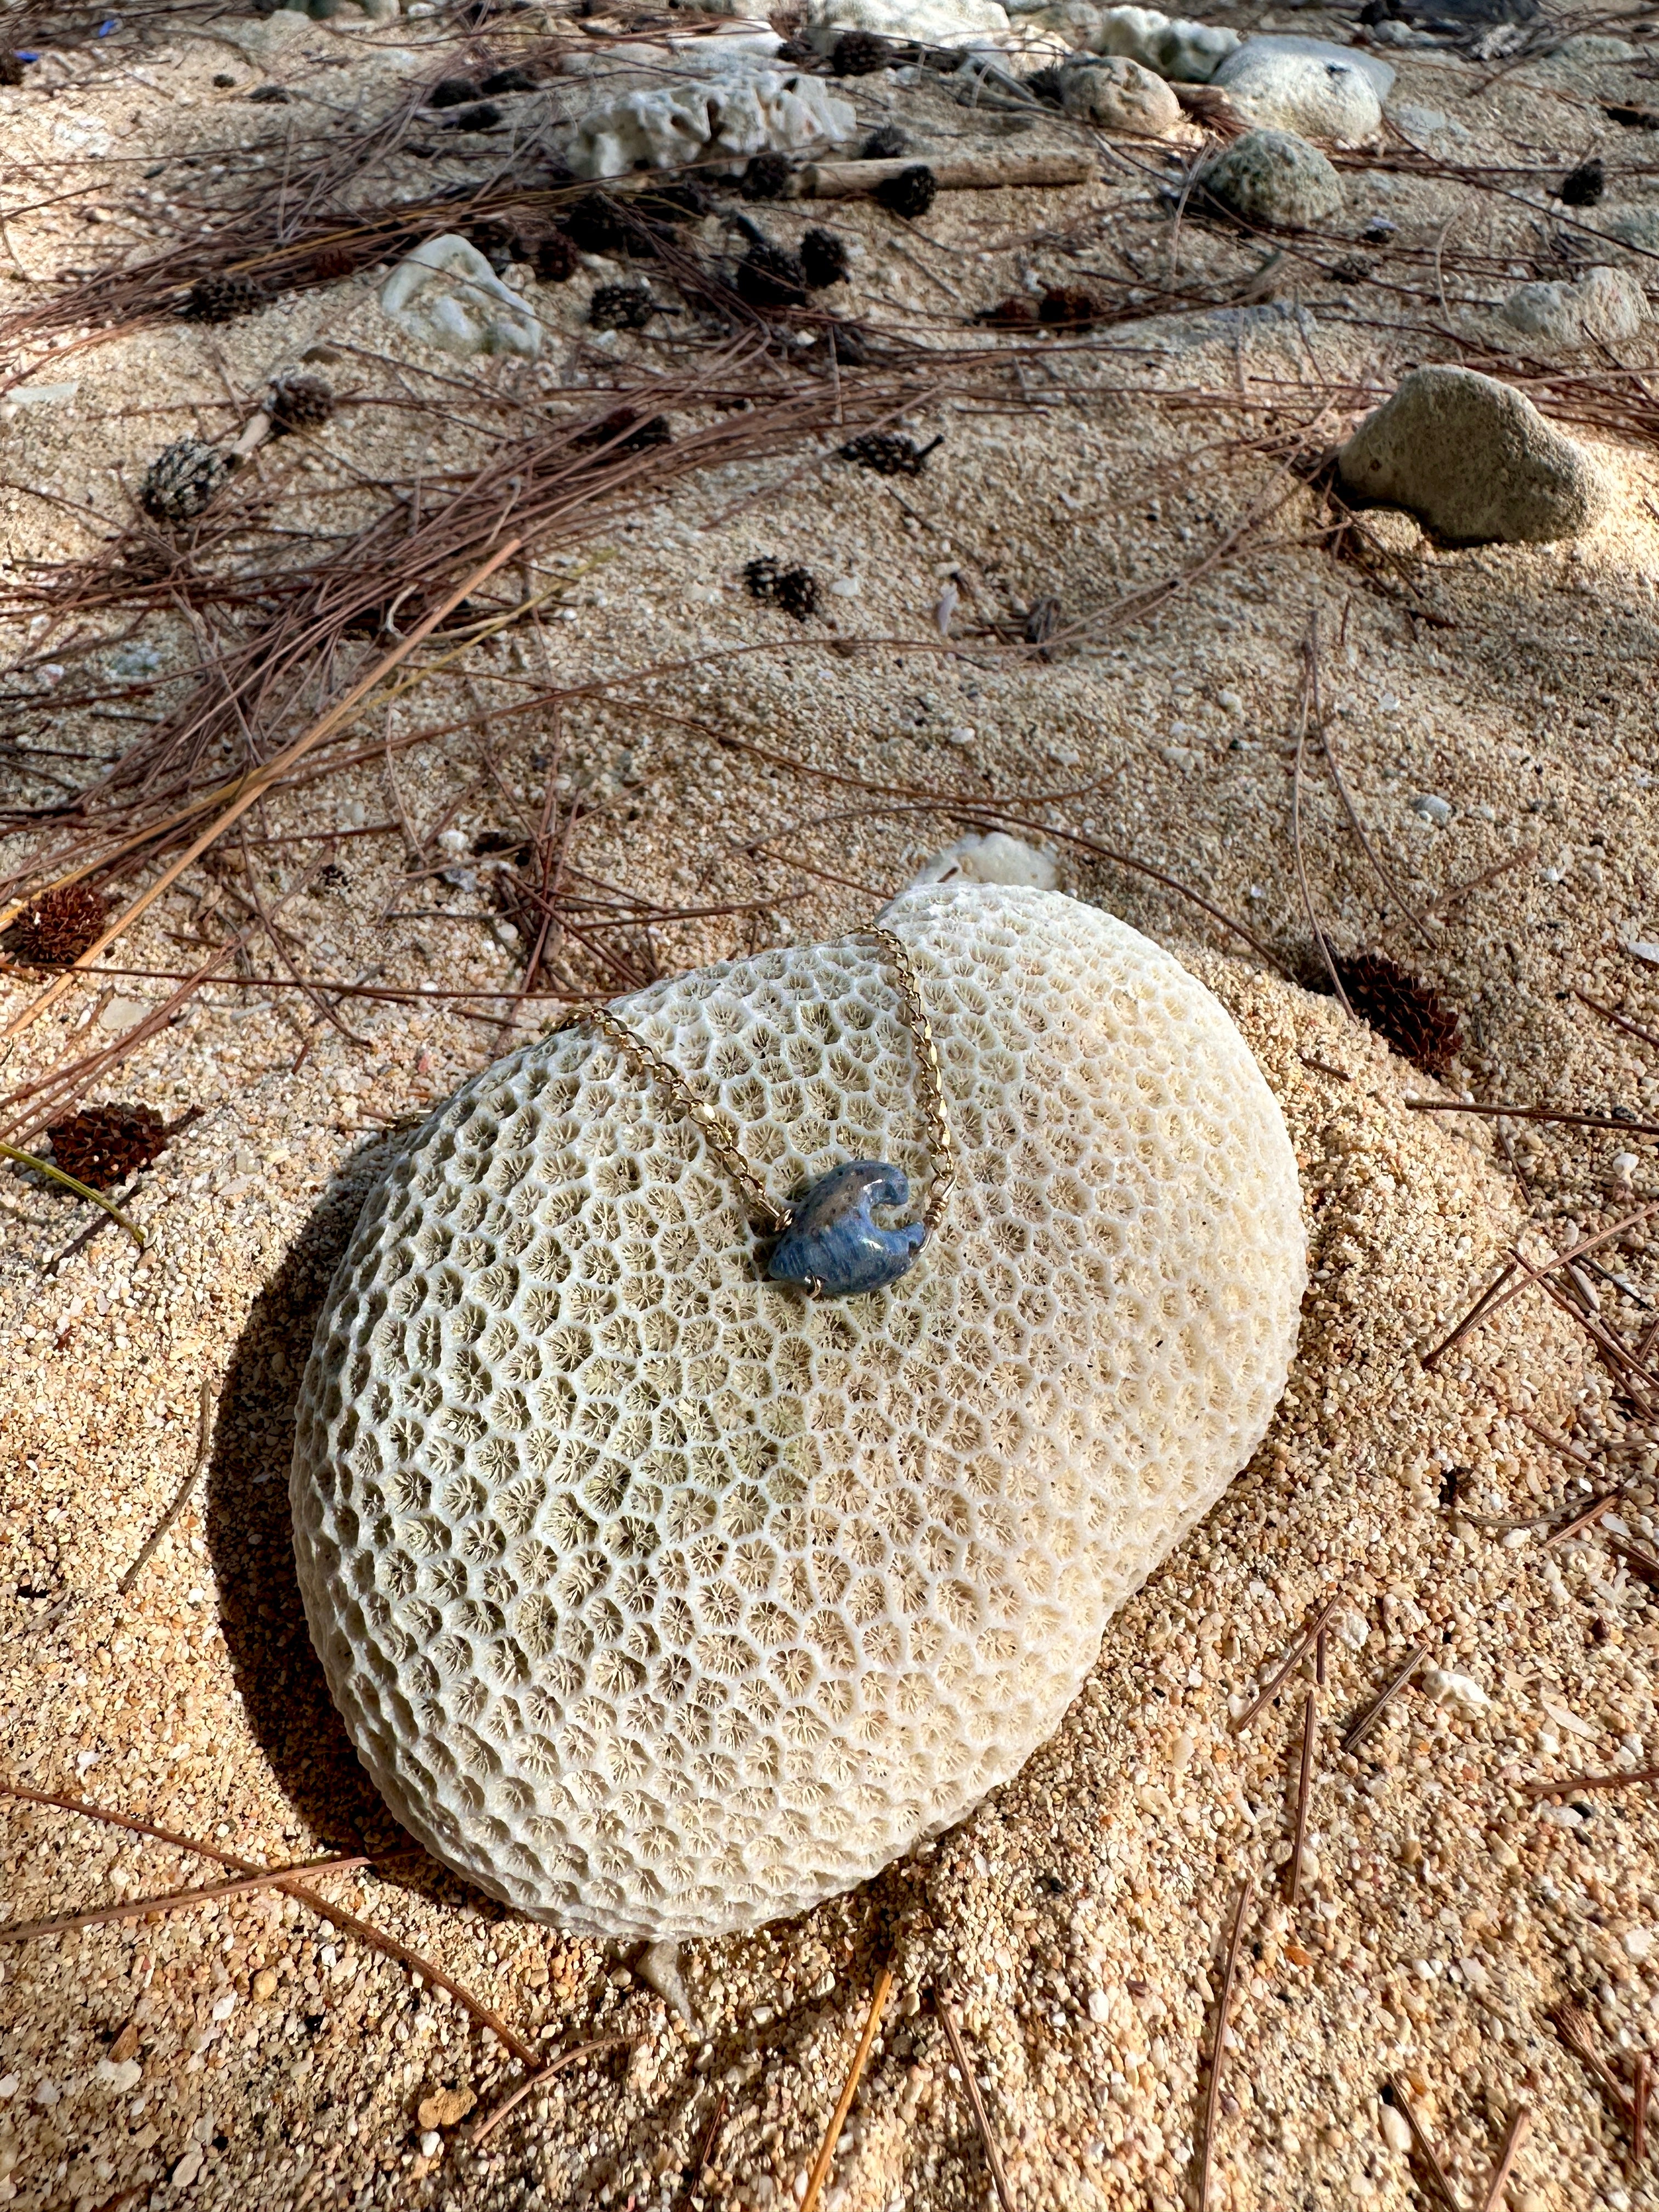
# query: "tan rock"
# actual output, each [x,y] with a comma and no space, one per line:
[445,2107]
[1119,95]
[1475,460]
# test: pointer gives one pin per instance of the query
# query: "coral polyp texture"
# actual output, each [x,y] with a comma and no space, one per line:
[660,1601]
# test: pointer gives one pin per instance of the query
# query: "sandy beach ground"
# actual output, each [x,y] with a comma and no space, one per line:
[699,772]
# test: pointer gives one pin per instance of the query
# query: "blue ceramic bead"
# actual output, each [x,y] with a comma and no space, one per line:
[833,1244]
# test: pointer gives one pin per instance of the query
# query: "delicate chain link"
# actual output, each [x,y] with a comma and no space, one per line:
[721,1137]
[930,1084]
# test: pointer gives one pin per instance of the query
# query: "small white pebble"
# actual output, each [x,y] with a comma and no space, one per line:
[1396,2133]
[1461,1691]
[47,2093]
[1100,2005]
[224,2006]
[1229,702]
[431,2143]
[1430,808]
[9,2084]
[1638,1942]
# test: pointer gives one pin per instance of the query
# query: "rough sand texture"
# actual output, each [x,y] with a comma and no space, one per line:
[249,2054]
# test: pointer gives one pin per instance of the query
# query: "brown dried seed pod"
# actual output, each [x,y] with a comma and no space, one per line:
[56,928]
[300,403]
[181,480]
[1421,1026]
[103,1145]
[224,294]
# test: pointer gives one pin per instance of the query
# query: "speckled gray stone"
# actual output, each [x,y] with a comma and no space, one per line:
[1273,177]
[1475,460]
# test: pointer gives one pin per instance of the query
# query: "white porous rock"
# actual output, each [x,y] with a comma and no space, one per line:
[1379,74]
[1186,52]
[742,111]
[945,23]
[995,858]
[1325,96]
[1460,1692]
[659,1601]
[1119,95]
[1474,459]
[1604,305]
[445,293]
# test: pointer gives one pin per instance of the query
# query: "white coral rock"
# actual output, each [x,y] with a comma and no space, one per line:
[1189,52]
[946,23]
[1608,306]
[659,1601]
[446,294]
[995,858]
[739,112]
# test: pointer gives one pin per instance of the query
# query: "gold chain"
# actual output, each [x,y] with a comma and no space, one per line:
[722,1139]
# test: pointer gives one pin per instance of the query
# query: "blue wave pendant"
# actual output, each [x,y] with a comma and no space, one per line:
[833,1249]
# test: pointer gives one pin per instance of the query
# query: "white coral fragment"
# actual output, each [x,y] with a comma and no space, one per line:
[660,1601]
[740,112]
[445,293]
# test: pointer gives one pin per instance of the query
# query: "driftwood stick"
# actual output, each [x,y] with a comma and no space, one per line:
[841,180]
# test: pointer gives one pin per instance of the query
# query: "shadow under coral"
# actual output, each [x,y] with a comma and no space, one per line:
[249,1533]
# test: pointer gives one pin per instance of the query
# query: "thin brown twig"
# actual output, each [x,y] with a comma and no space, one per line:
[1568,1784]
[1304,1796]
[1310,680]
[532,2082]
[1298,1650]
[258,782]
[947,2020]
[1531,1114]
[1573,2024]
[1555,1442]
[1620,1021]
[1380,1704]
[1425,2150]
[203,1447]
[1514,2136]
[176,1900]
[821,2165]
[341,1918]
[1586,1517]
[1218,2052]
[1491,1299]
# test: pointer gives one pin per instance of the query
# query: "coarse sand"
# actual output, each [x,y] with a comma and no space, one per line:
[1492,715]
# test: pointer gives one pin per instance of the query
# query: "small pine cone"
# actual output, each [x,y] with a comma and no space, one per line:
[332,262]
[910,193]
[794,590]
[103,1145]
[556,257]
[885,144]
[621,432]
[621,307]
[299,403]
[797,593]
[223,296]
[56,928]
[181,480]
[771,276]
[766,178]
[823,259]
[1421,1026]
[887,453]
[859,53]
[453,92]
[1069,307]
